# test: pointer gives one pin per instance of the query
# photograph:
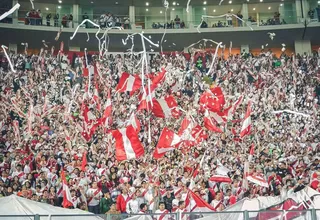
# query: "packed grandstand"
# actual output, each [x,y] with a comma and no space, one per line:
[120,140]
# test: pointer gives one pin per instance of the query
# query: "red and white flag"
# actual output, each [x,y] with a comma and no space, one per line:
[146,98]
[258,179]
[108,106]
[96,96]
[128,145]
[167,141]
[134,122]
[160,77]
[219,117]
[198,134]
[166,107]
[213,100]
[186,126]
[234,107]
[210,125]
[106,118]
[245,183]
[195,203]
[190,133]
[67,199]
[246,126]
[220,179]
[251,153]
[129,83]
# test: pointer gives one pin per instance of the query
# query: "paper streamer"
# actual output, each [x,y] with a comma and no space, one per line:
[5,52]
[25,47]
[91,22]
[220,2]
[187,9]
[291,112]
[166,5]
[204,41]
[58,34]
[4,15]
[105,45]
[214,57]
[88,37]
[31,1]
[220,16]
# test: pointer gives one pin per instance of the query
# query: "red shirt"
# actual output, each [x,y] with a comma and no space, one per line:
[122,203]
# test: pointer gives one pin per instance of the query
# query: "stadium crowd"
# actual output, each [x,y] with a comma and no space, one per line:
[54,121]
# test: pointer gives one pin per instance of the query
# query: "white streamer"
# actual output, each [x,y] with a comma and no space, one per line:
[220,16]
[220,2]
[91,22]
[4,15]
[187,9]
[291,112]
[105,45]
[31,1]
[214,57]
[25,47]
[58,34]
[5,52]
[166,5]
[88,37]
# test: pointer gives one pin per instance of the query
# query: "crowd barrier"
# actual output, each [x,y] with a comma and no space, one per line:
[310,214]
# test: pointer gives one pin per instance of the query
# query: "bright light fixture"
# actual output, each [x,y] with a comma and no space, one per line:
[59,7]
[254,9]
[230,2]
[281,4]
[173,9]
[147,3]
[204,9]
[147,9]
[178,3]
[269,8]
[174,3]
[261,0]
[231,9]
[47,9]
[205,2]
[60,1]
[214,10]
[160,12]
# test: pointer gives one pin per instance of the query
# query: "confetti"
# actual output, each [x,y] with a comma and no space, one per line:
[271,35]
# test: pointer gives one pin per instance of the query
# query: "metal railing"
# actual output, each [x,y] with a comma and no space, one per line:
[310,214]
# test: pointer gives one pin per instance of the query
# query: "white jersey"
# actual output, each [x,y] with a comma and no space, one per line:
[94,196]
[132,206]
[75,201]
[164,216]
